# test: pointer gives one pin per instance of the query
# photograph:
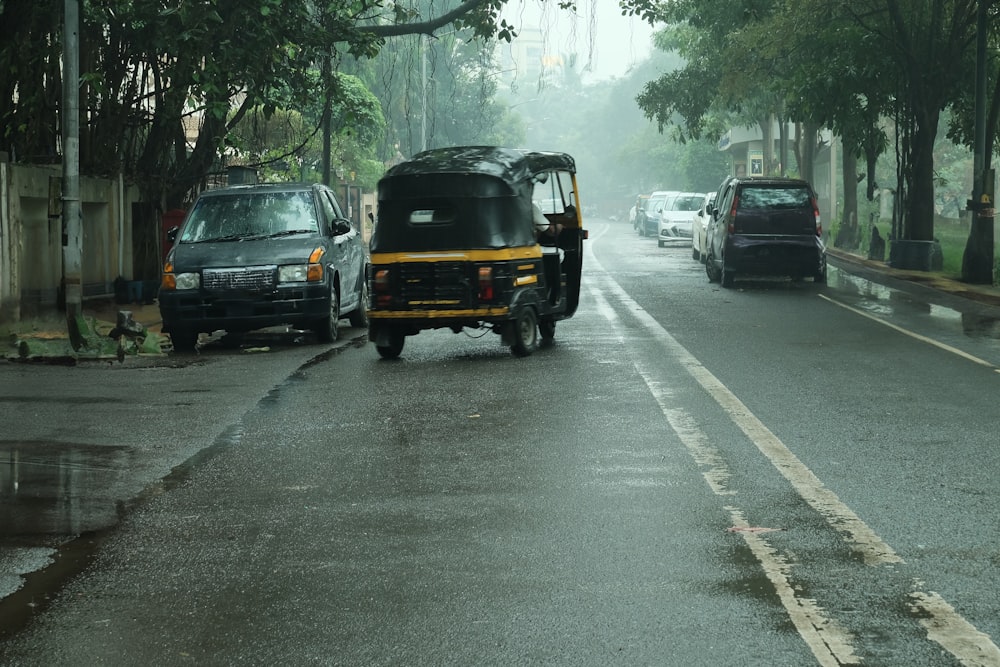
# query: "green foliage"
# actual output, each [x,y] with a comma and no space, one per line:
[165,83]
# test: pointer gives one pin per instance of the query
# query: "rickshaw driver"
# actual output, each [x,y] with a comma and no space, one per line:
[546,230]
[547,233]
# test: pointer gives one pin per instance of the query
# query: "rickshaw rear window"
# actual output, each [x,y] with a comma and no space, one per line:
[432,216]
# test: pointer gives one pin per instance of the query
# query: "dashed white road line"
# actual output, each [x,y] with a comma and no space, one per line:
[830,644]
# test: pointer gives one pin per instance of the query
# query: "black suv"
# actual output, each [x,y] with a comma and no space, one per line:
[255,256]
[765,227]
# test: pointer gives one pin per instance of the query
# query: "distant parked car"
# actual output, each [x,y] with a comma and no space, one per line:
[765,227]
[675,219]
[699,224]
[648,217]
[254,256]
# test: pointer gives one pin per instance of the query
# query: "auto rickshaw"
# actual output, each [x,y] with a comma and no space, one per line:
[456,246]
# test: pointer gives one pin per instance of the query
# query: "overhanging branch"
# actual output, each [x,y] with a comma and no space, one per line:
[424,27]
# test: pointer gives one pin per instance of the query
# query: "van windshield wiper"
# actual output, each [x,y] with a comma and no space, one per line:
[290,232]
[245,236]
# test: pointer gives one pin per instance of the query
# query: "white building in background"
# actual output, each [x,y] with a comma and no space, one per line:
[529,62]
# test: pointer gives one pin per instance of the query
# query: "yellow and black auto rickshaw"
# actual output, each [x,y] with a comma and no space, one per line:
[460,243]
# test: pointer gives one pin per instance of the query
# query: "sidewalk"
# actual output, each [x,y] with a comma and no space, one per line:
[47,338]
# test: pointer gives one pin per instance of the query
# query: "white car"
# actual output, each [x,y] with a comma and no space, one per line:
[675,219]
[647,217]
[699,223]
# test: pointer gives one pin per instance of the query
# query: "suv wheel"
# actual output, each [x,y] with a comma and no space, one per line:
[727,277]
[710,270]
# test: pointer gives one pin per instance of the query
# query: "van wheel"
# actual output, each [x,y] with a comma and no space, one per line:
[184,339]
[525,333]
[327,329]
[232,340]
[395,346]
[359,316]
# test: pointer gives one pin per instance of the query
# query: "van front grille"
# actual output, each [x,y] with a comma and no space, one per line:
[249,278]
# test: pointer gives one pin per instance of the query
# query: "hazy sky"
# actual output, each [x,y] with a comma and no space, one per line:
[598,33]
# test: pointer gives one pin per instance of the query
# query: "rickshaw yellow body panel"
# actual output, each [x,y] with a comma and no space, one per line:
[499,311]
[495,255]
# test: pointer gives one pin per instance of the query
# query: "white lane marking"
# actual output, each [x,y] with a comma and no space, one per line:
[828,641]
[864,540]
[912,334]
[945,626]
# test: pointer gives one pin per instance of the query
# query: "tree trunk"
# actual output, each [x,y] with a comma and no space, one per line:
[849,235]
[919,222]
[807,150]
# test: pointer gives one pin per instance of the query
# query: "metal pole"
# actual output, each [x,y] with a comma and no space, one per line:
[71,210]
[423,105]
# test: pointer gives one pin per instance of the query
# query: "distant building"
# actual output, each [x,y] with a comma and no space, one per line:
[529,61]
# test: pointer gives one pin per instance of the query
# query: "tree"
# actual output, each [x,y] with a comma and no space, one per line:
[165,83]
[928,43]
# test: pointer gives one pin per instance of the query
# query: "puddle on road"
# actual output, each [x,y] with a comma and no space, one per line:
[49,488]
[880,300]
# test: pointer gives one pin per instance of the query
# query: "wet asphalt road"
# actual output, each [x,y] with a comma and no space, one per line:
[689,476]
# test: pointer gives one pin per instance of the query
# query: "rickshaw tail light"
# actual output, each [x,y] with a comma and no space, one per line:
[381,282]
[485,283]
[380,287]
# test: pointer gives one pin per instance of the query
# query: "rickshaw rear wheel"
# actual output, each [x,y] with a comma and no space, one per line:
[394,348]
[525,333]
[547,327]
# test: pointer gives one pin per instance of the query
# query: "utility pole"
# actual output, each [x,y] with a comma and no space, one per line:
[977,261]
[423,91]
[71,209]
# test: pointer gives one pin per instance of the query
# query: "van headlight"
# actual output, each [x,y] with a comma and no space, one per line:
[188,280]
[293,273]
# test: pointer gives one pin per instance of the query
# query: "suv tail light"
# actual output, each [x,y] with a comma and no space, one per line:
[819,224]
[485,283]
[732,214]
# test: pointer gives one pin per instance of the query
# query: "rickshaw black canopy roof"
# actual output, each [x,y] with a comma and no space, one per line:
[482,192]
[512,165]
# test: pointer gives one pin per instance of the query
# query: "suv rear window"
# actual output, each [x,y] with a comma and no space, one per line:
[756,197]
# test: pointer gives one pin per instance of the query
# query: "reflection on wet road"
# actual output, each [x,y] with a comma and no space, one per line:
[57,489]
[966,325]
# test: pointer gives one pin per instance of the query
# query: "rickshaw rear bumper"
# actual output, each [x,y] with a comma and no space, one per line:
[413,321]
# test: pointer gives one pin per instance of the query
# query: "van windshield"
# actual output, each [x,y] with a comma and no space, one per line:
[250,215]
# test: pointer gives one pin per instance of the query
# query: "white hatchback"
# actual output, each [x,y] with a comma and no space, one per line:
[676,218]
